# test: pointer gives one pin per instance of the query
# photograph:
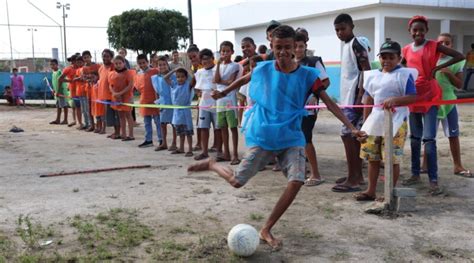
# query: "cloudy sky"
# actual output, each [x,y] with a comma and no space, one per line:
[87,21]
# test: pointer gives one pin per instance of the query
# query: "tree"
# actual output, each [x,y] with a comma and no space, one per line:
[148,31]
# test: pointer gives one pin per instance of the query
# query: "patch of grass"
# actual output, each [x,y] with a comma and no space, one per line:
[109,235]
[311,235]
[256,217]
[328,212]
[182,230]
[169,250]
[31,233]
[7,248]
[341,255]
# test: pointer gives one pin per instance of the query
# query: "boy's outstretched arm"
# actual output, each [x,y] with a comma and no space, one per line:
[334,108]
[456,57]
[234,85]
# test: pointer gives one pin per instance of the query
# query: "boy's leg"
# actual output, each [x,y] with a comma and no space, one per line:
[225,144]
[429,140]
[205,142]
[313,162]
[159,136]
[173,142]
[66,111]
[164,133]
[130,122]
[293,164]
[148,128]
[123,128]
[182,137]
[307,126]
[235,144]
[451,129]
[189,138]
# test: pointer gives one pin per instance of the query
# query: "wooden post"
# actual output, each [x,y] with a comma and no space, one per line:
[388,138]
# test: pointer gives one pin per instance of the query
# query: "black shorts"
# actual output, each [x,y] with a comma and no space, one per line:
[111,117]
[307,126]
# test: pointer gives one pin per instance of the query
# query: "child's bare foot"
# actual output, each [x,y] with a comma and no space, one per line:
[201,166]
[273,242]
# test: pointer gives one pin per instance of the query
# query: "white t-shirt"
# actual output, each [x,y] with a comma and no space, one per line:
[226,71]
[205,83]
[311,99]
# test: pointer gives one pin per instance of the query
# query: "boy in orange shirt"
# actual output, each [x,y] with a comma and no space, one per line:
[147,96]
[89,70]
[68,76]
[108,115]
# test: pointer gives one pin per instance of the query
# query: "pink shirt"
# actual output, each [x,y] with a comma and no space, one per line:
[18,87]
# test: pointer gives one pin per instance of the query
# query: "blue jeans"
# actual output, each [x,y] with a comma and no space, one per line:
[149,127]
[423,127]
[85,110]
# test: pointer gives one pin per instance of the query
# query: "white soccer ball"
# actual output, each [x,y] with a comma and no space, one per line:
[243,240]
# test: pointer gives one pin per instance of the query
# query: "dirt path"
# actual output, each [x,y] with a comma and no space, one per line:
[194,212]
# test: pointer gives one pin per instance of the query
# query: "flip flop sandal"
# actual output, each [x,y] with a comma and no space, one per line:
[177,152]
[341,180]
[313,182]
[222,159]
[189,154]
[63,123]
[434,191]
[362,197]
[212,150]
[71,124]
[201,157]
[54,122]
[128,139]
[172,148]
[345,189]
[235,162]
[465,173]
[116,137]
[197,148]
[160,148]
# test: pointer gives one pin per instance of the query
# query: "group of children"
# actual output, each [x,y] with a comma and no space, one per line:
[276,125]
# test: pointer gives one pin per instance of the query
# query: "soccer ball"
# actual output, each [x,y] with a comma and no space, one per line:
[243,240]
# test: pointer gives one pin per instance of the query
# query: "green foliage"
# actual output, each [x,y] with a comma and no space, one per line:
[148,31]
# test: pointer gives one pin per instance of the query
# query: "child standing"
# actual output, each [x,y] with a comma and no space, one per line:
[310,120]
[121,87]
[280,89]
[68,76]
[103,111]
[423,55]
[207,113]
[18,87]
[354,60]
[392,86]
[147,96]
[60,92]
[163,90]
[89,70]
[181,95]
[193,56]
[226,73]
[81,95]
[450,79]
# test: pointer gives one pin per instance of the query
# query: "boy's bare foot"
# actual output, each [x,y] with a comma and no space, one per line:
[273,242]
[201,166]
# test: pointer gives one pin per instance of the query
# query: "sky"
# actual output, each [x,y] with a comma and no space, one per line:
[94,14]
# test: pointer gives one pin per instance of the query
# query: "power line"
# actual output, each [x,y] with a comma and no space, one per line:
[29,25]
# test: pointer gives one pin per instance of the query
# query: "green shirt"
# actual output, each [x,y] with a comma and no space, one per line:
[447,87]
[55,82]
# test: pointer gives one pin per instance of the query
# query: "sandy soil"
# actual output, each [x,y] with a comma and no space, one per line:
[320,226]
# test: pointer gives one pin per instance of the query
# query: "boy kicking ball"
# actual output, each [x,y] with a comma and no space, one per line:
[273,129]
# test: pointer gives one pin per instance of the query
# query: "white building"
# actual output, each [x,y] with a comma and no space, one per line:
[374,19]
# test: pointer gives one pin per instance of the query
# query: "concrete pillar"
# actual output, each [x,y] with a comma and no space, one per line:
[445,26]
[379,32]
[459,42]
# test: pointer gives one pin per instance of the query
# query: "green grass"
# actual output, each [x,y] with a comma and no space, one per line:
[256,217]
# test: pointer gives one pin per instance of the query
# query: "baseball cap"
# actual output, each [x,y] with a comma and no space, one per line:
[272,25]
[390,47]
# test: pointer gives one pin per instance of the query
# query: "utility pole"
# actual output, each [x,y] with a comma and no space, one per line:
[190,17]
[65,7]
[12,63]
[33,46]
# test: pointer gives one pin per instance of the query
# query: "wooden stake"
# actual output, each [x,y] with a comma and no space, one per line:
[96,170]
[388,138]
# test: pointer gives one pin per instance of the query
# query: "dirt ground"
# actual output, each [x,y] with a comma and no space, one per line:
[187,217]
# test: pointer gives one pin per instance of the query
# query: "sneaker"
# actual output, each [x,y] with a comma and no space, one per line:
[145,144]
[412,181]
